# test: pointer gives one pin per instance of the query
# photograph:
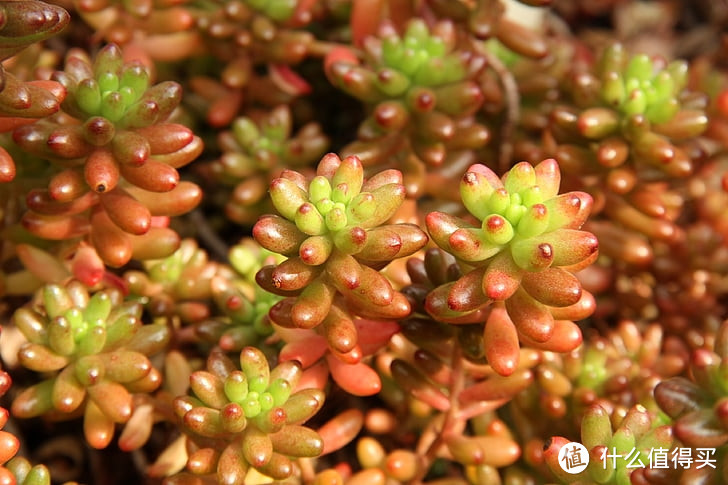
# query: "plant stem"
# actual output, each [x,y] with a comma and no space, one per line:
[451,415]
[513,102]
[209,236]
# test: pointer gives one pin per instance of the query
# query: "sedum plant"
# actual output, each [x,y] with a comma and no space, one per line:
[616,451]
[333,230]
[247,36]
[526,245]
[616,373]
[631,122]
[248,418]
[94,351]
[243,305]
[253,151]
[176,286]
[422,95]
[113,122]
[697,404]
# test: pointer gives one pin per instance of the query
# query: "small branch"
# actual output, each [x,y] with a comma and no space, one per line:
[451,416]
[209,237]
[513,103]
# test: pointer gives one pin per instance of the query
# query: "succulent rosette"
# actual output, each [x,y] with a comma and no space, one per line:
[639,106]
[403,67]
[698,406]
[118,158]
[627,452]
[333,230]
[93,350]
[616,372]
[243,305]
[422,98]
[178,286]
[631,125]
[523,250]
[248,418]
[640,85]
[255,151]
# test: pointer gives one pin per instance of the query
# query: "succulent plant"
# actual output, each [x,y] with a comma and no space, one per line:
[333,230]
[639,85]
[93,350]
[422,95]
[424,361]
[244,306]
[22,472]
[350,370]
[16,469]
[246,35]
[126,183]
[616,372]
[636,446]
[179,285]
[248,418]
[697,406]
[257,29]
[632,127]
[525,244]
[418,58]
[256,152]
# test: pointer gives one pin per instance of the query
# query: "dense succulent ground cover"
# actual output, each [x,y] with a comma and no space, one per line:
[363,242]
